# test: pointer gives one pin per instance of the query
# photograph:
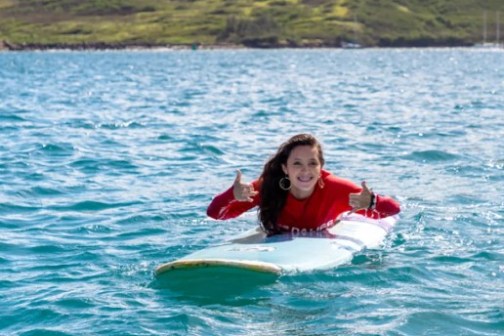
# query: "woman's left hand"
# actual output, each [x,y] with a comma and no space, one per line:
[361,200]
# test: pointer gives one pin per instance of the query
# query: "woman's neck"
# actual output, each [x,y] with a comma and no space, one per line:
[301,194]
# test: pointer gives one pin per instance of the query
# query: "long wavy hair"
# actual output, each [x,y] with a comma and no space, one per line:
[273,197]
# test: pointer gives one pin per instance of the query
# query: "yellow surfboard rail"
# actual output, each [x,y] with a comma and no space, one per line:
[256,266]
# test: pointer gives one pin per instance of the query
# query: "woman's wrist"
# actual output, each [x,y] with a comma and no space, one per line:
[372,202]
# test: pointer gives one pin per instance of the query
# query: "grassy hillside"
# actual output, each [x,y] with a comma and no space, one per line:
[260,23]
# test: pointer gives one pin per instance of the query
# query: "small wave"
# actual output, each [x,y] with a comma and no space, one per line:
[121,164]
[201,148]
[428,156]
[91,206]
[94,165]
[141,219]
[497,164]
[488,256]
[93,228]
[44,191]
[126,124]
[44,332]
[411,274]
[56,149]
[8,207]
[148,232]
[85,163]
[469,170]
[11,118]
[48,249]
[80,123]
[442,323]
[33,315]
[72,303]
[167,137]
[451,259]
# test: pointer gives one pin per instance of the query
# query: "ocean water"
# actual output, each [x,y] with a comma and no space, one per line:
[108,161]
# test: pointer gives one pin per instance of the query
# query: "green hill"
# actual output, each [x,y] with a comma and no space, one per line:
[261,23]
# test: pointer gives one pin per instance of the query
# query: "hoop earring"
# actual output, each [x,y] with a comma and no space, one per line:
[285,183]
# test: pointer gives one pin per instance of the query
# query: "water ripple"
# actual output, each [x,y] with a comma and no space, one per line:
[109,159]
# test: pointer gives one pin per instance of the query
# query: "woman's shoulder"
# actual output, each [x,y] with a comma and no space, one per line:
[339,182]
[257,183]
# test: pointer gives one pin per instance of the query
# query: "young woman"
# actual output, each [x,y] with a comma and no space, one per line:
[294,193]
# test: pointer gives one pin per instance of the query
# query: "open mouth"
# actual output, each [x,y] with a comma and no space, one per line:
[305,179]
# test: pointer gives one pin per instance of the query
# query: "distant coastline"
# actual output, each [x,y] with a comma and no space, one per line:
[7,46]
[224,24]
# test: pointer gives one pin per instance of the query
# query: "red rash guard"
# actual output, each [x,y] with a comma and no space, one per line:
[316,212]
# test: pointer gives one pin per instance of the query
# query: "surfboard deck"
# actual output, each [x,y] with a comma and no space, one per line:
[290,252]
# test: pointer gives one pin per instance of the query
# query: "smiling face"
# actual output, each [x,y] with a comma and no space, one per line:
[303,168]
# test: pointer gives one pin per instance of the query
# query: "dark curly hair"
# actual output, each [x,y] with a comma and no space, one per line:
[273,198]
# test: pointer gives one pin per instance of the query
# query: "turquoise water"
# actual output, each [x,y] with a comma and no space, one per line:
[109,159]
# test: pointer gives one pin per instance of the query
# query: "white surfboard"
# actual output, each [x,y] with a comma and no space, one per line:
[291,252]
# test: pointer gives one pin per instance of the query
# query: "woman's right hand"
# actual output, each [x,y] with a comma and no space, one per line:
[243,191]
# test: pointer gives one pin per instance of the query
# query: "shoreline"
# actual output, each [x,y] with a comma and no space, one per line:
[7,46]
[103,46]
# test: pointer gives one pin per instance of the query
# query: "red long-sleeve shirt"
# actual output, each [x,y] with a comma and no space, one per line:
[317,212]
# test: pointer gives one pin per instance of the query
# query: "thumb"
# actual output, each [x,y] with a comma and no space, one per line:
[238,176]
[365,188]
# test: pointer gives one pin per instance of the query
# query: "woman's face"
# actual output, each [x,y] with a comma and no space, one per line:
[303,168]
